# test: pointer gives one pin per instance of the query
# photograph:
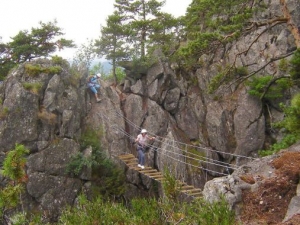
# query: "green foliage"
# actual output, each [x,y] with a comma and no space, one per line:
[90,138]
[290,124]
[57,60]
[241,71]
[134,30]
[286,142]
[194,156]
[210,25]
[198,211]
[291,121]
[215,82]
[171,186]
[225,75]
[33,87]
[14,170]
[120,74]
[295,65]
[267,87]
[112,43]
[216,213]
[283,65]
[79,161]
[146,210]
[98,68]
[10,196]
[96,212]
[144,21]
[111,178]
[4,113]
[19,219]
[14,163]
[25,46]
[35,70]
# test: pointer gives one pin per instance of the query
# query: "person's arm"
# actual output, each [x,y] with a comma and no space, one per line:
[137,138]
[150,138]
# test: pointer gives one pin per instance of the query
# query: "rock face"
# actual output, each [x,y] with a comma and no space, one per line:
[48,122]
[198,135]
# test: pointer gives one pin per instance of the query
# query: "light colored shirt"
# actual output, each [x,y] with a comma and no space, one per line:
[142,139]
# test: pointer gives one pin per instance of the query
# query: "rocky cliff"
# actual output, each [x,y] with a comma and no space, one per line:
[199,135]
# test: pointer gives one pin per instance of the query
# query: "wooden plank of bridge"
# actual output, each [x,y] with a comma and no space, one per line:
[152,174]
[150,171]
[131,161]
[126,156]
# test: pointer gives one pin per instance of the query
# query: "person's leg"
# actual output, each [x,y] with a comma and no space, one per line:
[94,90]
[97,87]
[139,157]
[142,158]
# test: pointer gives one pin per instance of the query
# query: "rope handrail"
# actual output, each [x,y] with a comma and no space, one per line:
[178,142]
[220,164]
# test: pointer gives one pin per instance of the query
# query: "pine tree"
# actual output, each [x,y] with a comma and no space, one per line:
[14,171]
[112,41]
[25,46]
[146,22]
[211,24]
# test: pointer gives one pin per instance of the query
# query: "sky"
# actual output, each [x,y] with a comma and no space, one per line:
[80,19]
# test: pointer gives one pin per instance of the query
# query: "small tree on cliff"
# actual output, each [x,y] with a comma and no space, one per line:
[146,23]
[25,46]
[210,25]
[112,41]
[13,170]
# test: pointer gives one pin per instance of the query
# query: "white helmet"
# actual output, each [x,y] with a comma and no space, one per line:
[98,75]
[143,131]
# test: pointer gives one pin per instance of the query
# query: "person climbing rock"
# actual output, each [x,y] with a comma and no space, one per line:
[94,85]
[141,144]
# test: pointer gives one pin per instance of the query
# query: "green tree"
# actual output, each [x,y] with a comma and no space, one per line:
[14,170]
[210,25]
[25,46]
[112,41]
[98,68]
[145,20]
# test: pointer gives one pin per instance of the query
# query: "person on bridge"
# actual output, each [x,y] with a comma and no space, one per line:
[94,85]
[141,144]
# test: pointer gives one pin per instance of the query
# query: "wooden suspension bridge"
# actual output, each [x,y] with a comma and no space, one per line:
[131,161]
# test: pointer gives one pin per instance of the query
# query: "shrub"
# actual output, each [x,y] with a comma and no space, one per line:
[14,170]
[260,87]
[295,65]
[33,87]
[111,177]
[35,70]
[120,75]
[290,124]
[3,113]
[96,212]
[59,61]
[48,117]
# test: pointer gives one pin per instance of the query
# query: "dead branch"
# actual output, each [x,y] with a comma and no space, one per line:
[277,20]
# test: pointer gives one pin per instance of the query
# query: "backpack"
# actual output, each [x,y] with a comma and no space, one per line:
[88,83]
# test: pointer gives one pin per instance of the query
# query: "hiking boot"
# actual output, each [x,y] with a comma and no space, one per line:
[99,99]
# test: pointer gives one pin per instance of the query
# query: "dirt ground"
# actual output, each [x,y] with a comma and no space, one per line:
[268,205]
